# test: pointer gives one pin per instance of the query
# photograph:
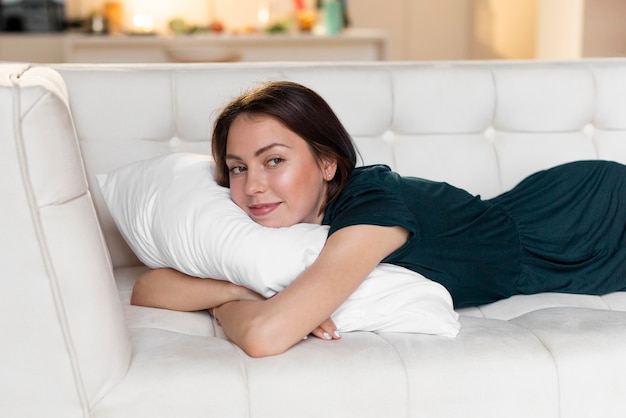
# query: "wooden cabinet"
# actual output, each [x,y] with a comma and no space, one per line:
[37,48]
[354,44]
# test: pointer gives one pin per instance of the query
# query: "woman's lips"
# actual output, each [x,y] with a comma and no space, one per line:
[261,210]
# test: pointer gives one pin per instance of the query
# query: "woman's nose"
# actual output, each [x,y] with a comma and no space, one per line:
[255,182]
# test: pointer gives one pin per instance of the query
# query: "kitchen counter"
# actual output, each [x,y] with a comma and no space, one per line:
[352,44]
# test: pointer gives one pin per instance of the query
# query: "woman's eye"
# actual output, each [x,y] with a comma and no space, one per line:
[237,170]
[275,161]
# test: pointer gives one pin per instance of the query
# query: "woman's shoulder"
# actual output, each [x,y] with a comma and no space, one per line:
[372,174]
[370,189]
[369,178]
[378,177]
[374,168]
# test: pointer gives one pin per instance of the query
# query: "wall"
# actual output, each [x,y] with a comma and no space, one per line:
[503,29]
[548,29]
[438,30]
[419,29]
[560,29]
[604,28]
[388,15]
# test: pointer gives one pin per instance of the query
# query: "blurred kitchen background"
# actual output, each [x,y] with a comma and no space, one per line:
[257,30]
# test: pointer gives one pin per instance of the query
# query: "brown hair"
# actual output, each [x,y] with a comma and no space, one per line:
[303,112]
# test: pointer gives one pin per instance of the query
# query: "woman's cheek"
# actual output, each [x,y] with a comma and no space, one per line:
[286,181]
[236,195]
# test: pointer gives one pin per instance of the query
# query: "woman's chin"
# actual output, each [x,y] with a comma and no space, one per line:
[271,223]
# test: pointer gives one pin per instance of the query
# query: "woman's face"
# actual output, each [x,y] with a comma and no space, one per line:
[274,176]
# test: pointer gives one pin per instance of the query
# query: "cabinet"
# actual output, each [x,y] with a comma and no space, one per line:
[356,45]
[351,45]
[36,48]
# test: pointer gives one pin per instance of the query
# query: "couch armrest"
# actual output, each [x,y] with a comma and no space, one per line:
[65,343]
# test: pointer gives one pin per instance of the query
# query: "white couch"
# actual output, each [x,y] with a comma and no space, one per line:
[73,347]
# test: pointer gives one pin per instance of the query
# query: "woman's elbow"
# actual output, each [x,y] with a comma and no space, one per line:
[262,339]
[141,295]
[136,297]
[257,347]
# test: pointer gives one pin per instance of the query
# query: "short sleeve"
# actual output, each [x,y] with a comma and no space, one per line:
[373,196]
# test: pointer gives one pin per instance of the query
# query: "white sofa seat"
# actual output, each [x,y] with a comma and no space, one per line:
[76,348]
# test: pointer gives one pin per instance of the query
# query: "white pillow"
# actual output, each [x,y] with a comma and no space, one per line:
[172,214]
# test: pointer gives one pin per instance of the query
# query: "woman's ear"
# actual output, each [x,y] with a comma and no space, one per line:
[329,168]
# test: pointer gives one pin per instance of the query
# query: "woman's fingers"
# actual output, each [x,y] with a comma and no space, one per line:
[327,330]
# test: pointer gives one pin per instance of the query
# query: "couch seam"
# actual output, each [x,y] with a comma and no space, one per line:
[23,117]
[172,75]
[44,96]
[405,372]
[554,363]
[594,80]
[392,88]
[171,330]
[493,119]
[244,374]
[42,243]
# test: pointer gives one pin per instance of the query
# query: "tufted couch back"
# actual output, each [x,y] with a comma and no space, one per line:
[482,126]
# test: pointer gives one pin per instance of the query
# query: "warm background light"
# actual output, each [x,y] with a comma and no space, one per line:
[143,23]
[238,14]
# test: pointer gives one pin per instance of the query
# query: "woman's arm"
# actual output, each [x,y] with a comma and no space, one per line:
[170,289]
[264,328]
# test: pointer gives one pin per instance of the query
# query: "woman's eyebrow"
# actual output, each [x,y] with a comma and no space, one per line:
[257,152]
[232,157]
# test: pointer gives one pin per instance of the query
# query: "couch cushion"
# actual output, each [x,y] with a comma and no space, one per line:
[587,346]
[181,369]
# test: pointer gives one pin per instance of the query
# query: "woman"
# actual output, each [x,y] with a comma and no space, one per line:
[287,159]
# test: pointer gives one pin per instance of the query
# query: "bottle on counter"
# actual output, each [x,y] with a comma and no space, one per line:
[333,15]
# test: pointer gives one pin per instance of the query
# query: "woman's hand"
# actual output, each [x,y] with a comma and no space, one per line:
[327,331]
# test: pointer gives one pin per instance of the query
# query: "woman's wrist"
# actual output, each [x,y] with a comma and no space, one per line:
[226,292]
[243,293]
[231,293]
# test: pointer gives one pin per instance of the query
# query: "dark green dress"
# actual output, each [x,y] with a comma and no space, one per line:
[559,230]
